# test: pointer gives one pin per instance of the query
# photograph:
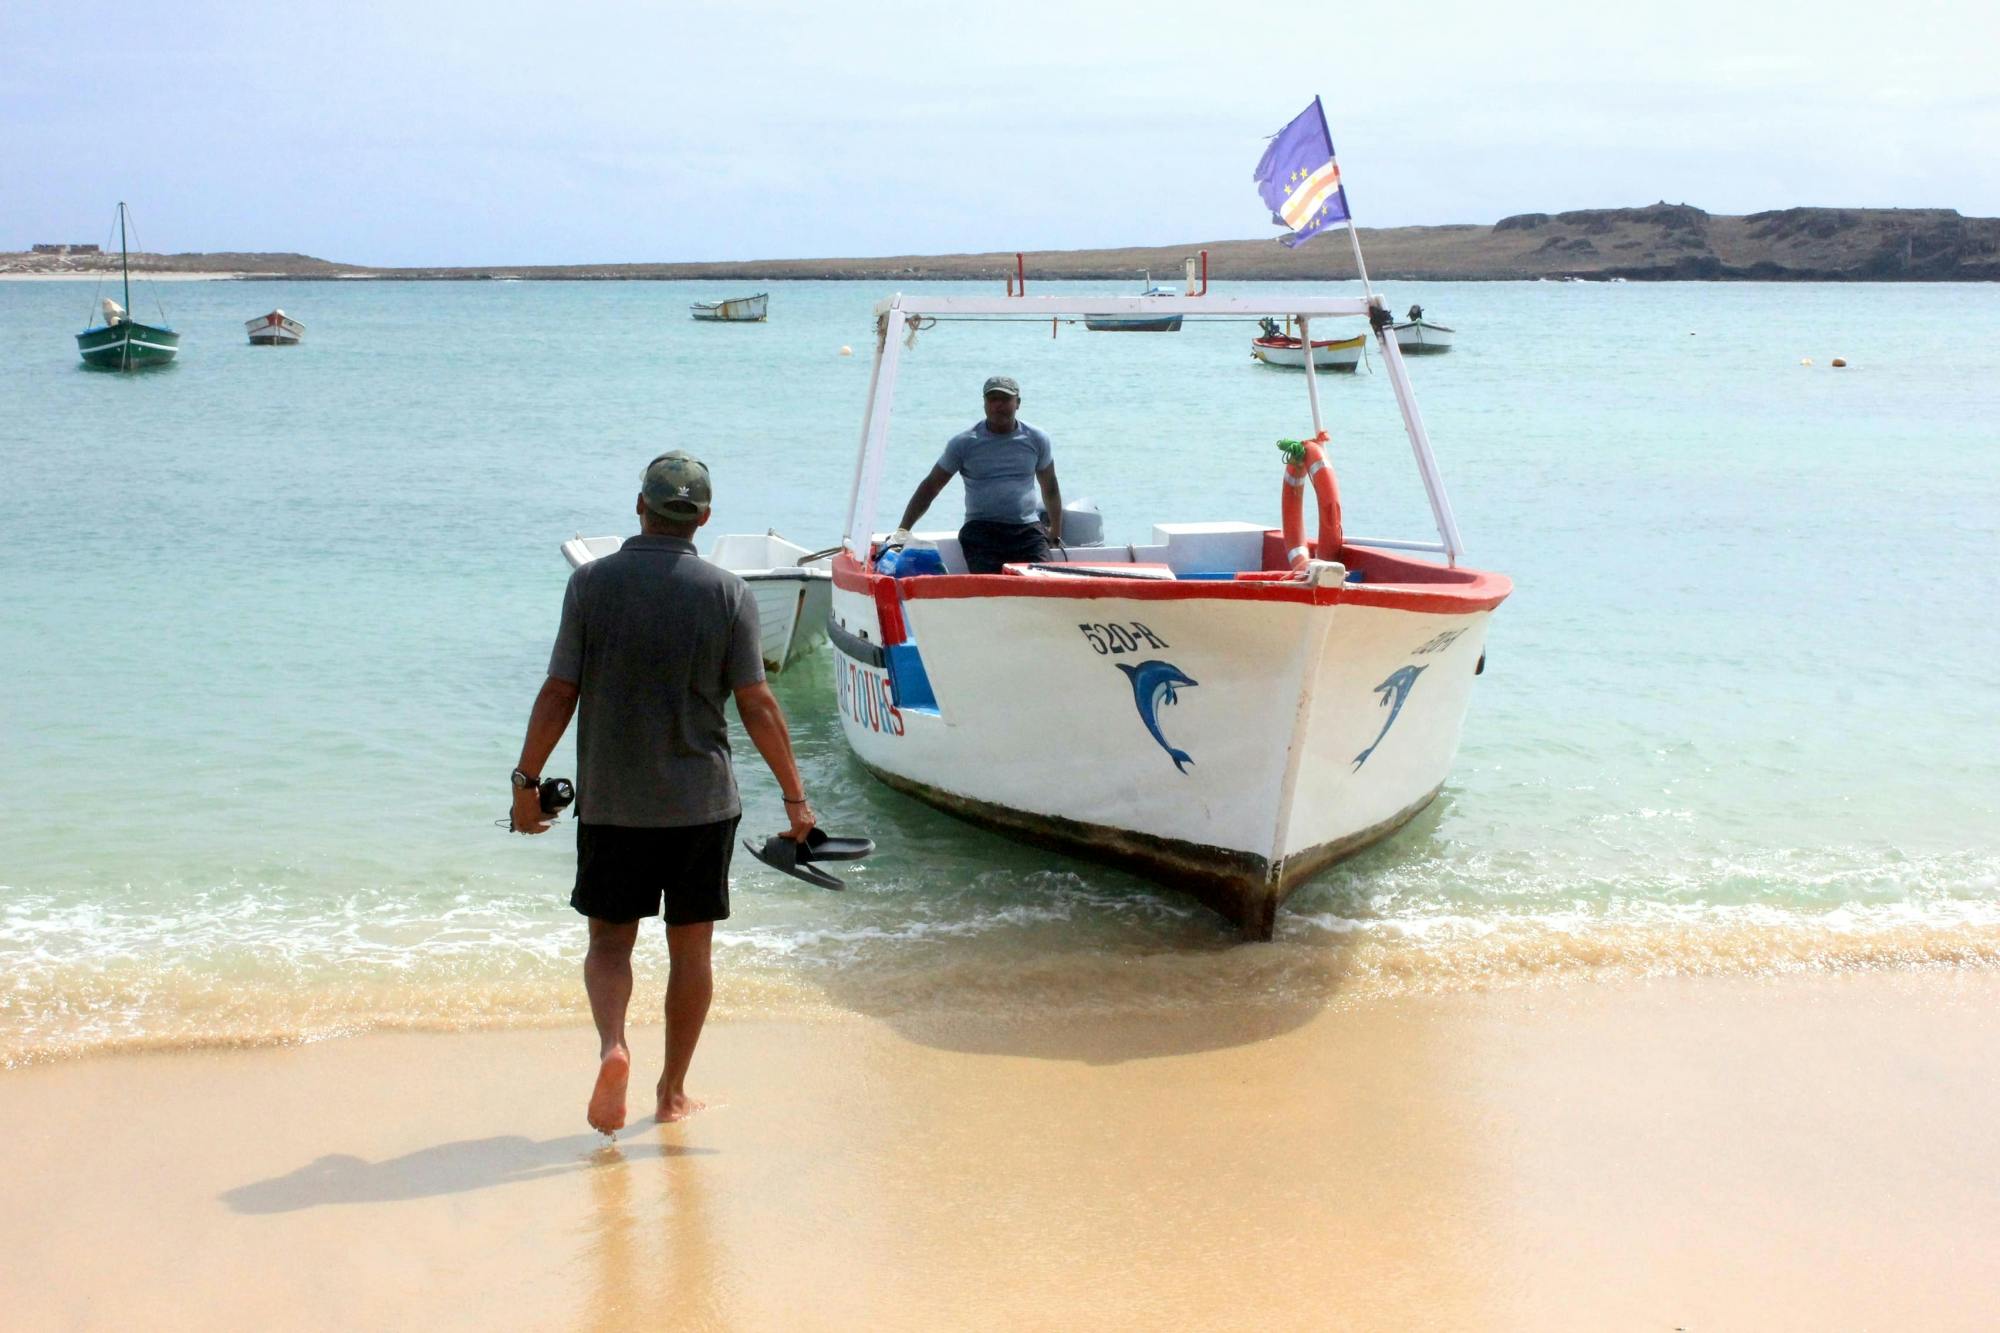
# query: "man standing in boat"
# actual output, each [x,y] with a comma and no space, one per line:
[653,639]
[1005,463]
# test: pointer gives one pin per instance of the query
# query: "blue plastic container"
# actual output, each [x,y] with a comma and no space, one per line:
[909,562]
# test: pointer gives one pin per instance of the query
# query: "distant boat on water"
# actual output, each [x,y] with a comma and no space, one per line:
[736,310]
[1276,348]
[121,342]
[1137,323]
[1417,335]
[276,329]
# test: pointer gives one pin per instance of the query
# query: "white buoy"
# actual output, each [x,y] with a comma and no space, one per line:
[847,351]
[1805,360]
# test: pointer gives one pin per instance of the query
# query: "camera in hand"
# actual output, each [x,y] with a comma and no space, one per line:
[554,794]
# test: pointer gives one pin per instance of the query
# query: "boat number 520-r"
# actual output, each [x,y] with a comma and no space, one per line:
[1127,638]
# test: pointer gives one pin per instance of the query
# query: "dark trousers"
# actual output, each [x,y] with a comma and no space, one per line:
[987,544]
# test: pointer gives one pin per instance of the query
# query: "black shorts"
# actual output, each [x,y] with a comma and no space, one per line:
[623,873]
[987,545]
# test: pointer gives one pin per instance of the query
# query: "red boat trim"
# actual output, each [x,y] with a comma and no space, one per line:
[1462,592]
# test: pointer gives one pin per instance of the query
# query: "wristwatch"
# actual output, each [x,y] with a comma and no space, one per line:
[524,782]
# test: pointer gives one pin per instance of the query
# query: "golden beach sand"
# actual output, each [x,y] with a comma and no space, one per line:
[1798,1153]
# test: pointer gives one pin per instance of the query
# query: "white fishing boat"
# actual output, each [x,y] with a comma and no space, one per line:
[1226,708]
[1418,336]
[736,310]
[1279,349]
[276,329]
[793,586]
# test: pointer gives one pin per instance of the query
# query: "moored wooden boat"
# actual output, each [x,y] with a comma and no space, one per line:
[276,329]
[1328,354]
[1137,323]
[792,598]
[121,342]
[1417,335]
[735,310]
[1226,708]
[125,344]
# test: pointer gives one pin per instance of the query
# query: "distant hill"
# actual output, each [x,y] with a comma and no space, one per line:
[1660,242]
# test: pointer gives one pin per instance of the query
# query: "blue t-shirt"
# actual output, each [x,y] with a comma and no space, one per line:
[999,471]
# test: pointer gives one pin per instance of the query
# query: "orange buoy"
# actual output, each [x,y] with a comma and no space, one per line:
[1839,361]
[1311,466]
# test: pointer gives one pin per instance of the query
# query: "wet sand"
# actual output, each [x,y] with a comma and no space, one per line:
[1805,1152]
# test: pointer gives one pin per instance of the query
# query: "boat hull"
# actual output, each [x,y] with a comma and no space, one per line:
[738,310]
[127,346]
[1422,339]
[274,330]
[1134,324]
[792,607]
[792,600]
[1235,885]
[1231,739]
[1342,354]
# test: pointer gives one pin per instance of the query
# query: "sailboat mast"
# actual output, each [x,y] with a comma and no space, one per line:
[124,265]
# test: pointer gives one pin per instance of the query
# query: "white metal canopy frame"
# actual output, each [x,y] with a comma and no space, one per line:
[894,319]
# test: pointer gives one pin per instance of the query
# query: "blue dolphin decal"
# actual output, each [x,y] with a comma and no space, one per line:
[1393,691]
[1155,683]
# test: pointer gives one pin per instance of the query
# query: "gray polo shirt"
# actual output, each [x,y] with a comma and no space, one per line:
[999,471]
[655,638]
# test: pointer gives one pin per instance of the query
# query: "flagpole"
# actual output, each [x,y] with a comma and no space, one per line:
[1353,238]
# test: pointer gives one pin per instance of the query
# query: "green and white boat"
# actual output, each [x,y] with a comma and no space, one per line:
[121,342]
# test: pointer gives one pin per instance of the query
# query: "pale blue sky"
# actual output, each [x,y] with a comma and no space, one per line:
[455,133]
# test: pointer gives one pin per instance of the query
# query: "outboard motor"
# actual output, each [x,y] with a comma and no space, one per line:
[1083,523]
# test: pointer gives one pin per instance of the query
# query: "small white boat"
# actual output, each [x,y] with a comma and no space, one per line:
[736,310]
[1417,335]
[276,329]
[792,598]
[1278,349]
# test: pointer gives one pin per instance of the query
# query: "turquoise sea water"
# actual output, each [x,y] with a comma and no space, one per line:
[271,620]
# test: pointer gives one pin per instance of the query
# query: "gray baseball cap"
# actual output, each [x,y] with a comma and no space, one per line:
[1002,384]
[676,486]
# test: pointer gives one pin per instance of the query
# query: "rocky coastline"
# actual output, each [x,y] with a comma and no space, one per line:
[1660,242]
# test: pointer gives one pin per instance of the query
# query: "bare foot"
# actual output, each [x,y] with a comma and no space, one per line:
[607,1099]
[676,1106]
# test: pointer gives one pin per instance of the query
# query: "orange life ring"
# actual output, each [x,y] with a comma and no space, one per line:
[1326,490]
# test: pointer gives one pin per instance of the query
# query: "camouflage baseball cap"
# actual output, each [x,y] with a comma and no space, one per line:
[1002,384]
[676,486]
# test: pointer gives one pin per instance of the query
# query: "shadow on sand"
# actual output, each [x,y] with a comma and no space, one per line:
[1105,967]
[448,1168]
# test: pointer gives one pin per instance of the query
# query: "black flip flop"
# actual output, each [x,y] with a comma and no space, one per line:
[796,858]
[823,846]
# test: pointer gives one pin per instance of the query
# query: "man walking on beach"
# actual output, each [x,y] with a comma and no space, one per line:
[1004,461]
[653,639]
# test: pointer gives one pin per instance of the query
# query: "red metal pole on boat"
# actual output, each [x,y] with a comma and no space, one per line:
[1020,268]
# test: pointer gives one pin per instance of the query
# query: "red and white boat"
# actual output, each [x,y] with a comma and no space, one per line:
[276,329]
[1226,708]
[1280,349]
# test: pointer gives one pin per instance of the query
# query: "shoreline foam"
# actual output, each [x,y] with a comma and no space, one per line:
[98,1010]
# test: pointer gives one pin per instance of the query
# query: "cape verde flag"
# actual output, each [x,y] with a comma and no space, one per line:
[1299,178]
